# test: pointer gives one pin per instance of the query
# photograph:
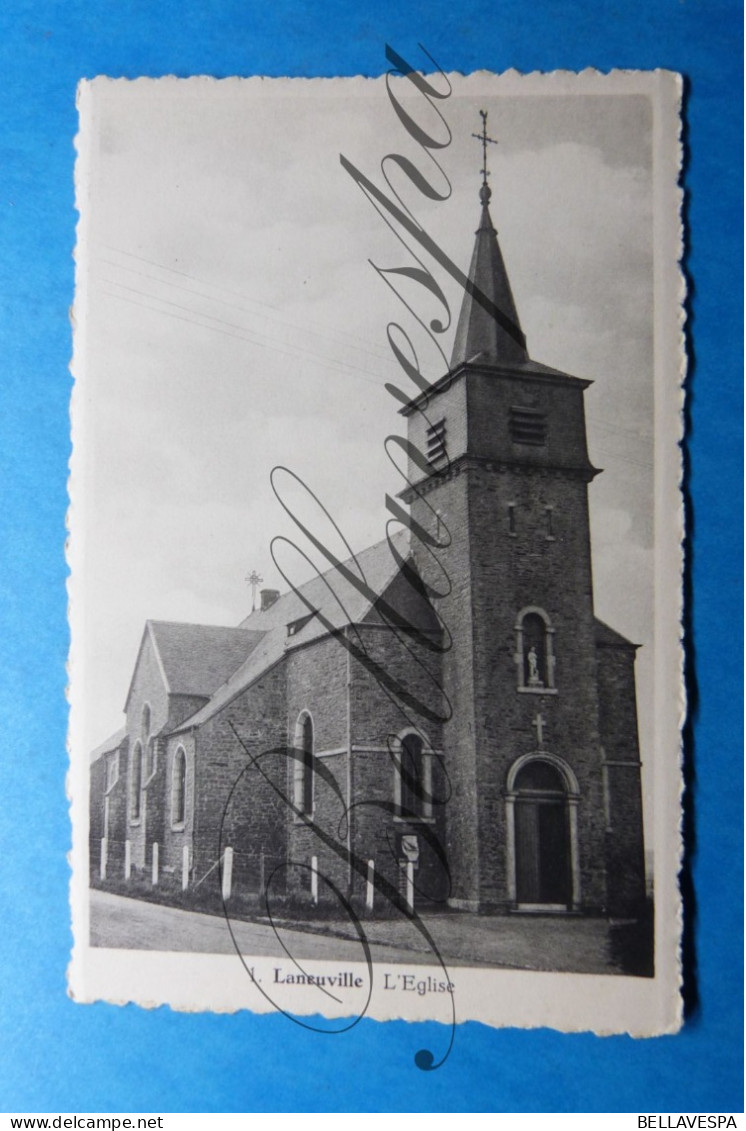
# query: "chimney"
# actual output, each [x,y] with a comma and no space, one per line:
[268,598]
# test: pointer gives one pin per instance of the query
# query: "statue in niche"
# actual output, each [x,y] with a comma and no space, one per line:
[533,668]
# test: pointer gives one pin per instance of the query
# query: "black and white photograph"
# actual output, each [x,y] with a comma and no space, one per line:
[375,547]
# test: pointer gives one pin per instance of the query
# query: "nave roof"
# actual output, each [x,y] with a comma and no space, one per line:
[335,602]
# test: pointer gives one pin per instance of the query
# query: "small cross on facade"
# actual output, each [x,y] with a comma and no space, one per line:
[539,722]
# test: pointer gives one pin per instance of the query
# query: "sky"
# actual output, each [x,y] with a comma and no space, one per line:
[228,319]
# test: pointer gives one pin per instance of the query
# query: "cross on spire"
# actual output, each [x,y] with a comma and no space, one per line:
[484,192]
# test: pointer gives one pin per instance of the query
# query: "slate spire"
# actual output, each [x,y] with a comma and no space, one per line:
[488,329]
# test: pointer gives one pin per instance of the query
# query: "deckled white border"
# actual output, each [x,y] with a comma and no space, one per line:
[569,1002]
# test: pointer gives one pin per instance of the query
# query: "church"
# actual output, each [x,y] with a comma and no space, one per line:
[440,718]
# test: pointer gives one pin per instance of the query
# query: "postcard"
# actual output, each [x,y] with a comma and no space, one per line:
[375,548]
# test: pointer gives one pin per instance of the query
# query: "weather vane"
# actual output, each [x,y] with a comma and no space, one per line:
[254,580]
[484,192]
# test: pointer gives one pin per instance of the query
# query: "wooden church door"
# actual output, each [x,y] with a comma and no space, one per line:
[542,842]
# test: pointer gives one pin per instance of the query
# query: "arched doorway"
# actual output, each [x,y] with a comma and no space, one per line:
[543,858]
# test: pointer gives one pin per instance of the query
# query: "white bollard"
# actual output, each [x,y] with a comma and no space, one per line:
[315,879]
[127,859]
[104,857]
[227,873]
[369,887]
[154,875]
[185,867]
[410,885]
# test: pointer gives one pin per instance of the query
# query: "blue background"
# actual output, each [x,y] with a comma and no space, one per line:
[58,1056]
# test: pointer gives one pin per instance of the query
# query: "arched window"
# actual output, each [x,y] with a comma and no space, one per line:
[145,723]
[413,781]
[178,787]
[135,781]
[534,655]
[150,761]
[303,765]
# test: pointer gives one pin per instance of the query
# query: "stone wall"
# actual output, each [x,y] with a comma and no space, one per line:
[239,767]
[624,849]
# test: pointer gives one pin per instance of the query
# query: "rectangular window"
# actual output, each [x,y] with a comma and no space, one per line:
[511,518]
[528,426]
[550,523]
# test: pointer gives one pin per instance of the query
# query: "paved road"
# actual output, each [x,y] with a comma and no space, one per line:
[517,942]
[117,921]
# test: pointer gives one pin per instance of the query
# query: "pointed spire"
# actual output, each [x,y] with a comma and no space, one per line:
[488,328]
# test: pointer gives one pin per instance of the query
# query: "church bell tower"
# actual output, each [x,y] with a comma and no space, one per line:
[504,481]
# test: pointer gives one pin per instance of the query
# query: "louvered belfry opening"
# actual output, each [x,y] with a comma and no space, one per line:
[528,426]
[436,442]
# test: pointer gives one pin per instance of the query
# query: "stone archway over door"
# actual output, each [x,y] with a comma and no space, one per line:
[543,856]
